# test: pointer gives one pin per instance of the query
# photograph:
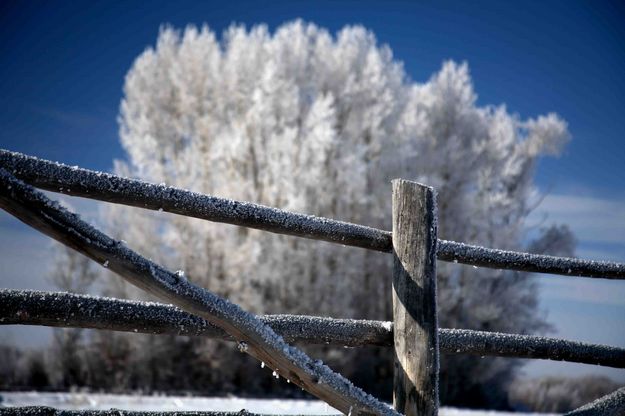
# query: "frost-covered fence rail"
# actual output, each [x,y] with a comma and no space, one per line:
[254,337]
[68,310]
[57,177]
[414,333]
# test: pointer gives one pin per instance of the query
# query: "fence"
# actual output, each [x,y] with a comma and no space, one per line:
[414,332]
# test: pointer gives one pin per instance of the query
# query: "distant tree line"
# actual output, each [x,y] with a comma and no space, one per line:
[111,362]
[559,394]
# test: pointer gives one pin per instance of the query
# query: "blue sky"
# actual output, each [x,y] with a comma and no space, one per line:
[62,67]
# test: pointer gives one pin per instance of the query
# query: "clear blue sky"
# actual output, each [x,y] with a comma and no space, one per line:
[62,66]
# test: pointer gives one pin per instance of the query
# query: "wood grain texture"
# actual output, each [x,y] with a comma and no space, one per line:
[415,390]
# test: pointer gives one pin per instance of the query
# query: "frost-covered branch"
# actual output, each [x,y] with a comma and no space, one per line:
[85,183]
[254,337]
[70,310]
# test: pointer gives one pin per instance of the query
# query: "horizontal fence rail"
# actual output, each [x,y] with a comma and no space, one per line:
[459,341]
[526,262]
[59,309]
[255,338]
[57,177]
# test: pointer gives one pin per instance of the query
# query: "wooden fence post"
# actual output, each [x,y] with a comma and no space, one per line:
[415,384]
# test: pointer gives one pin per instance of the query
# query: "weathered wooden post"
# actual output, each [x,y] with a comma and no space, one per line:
[415,390]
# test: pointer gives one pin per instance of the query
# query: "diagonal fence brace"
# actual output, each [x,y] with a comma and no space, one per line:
[257,339]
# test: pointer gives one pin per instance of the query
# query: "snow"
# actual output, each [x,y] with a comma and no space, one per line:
[92,401]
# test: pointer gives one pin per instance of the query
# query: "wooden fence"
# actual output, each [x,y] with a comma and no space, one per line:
[414,333]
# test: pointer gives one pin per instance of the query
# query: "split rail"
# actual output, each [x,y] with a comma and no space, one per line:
[414,333]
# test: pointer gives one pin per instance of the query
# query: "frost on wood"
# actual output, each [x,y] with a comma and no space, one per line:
[83,311]
[503,259]
[461,341]
[71,180]
[57,177]
[36,210]
[612,404]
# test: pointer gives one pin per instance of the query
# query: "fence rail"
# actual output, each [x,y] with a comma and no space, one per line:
[68,310]
[74,181]
[416,341]
[255,338]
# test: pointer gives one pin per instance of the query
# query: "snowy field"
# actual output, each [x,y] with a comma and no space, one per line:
[71,401]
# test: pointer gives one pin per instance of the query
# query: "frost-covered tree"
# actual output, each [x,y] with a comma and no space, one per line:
[310,122]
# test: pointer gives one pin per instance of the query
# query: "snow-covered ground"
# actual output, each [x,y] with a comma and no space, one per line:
[93,401]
